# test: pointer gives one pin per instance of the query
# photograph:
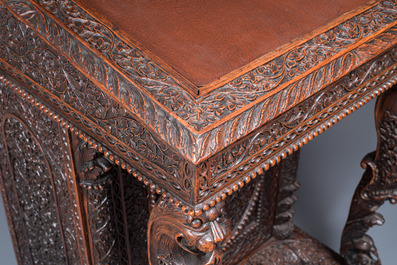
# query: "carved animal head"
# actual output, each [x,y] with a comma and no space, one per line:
[175,238]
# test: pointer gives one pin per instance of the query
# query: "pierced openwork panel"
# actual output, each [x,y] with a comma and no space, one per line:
[32,168]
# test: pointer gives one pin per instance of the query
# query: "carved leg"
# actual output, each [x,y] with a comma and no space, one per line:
[379,184]
[95,174]
[116,206]
[283,225]
[175,238]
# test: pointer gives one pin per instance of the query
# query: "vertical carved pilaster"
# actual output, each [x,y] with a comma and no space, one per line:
[283,225]
[116,206]
[378,184]
[175,238]
[96,174]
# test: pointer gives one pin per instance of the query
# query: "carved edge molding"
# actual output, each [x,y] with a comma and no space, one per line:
[289,97]
[230,176]
[126,93]
[314,51]
[65,89]
[243,177]
[236,185]
[296,128]
[70,14]
[238,180]
[91,142]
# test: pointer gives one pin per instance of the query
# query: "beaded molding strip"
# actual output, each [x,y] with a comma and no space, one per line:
[198,209]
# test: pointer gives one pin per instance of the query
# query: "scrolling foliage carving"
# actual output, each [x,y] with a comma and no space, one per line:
[299,249]
[116,205]
[219,104]
[378,184]
[96,173]
[310,115]
[108,78]
[33,174]
[54,78]
[240,91]
[34,49]
[175,238]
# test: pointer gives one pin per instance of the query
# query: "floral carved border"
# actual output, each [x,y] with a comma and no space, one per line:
[242,161]
[238,92]
[377,86]
[191,117]
[310,105]
[128,93]
[36,65]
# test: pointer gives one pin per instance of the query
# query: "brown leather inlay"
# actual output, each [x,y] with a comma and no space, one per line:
[205,40]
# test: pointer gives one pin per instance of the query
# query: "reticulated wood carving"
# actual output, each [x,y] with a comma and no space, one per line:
[219,104]
[299,249]
[218,164]
[378,184]
[36,187]
[109,120]
[175,238]
[283,225]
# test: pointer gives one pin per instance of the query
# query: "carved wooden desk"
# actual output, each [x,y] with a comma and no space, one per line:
[171,129]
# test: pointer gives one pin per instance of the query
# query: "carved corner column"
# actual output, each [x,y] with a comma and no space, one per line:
[283,226]
[96,173]
[378,184]
[175,238]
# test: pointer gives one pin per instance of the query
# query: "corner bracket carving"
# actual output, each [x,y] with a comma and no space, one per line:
[378,184]
[93,168]
[175,238]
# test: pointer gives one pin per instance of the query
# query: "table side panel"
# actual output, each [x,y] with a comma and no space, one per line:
[38,184]
[266,146]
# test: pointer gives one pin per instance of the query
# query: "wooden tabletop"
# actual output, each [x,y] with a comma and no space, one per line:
[204,41]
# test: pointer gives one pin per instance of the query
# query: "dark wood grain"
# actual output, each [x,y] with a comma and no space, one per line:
[171,130]
[377,185]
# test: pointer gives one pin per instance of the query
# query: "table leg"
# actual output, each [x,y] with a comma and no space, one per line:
[378,184]
[96,174]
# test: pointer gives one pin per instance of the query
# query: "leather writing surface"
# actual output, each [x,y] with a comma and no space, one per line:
[204,40]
